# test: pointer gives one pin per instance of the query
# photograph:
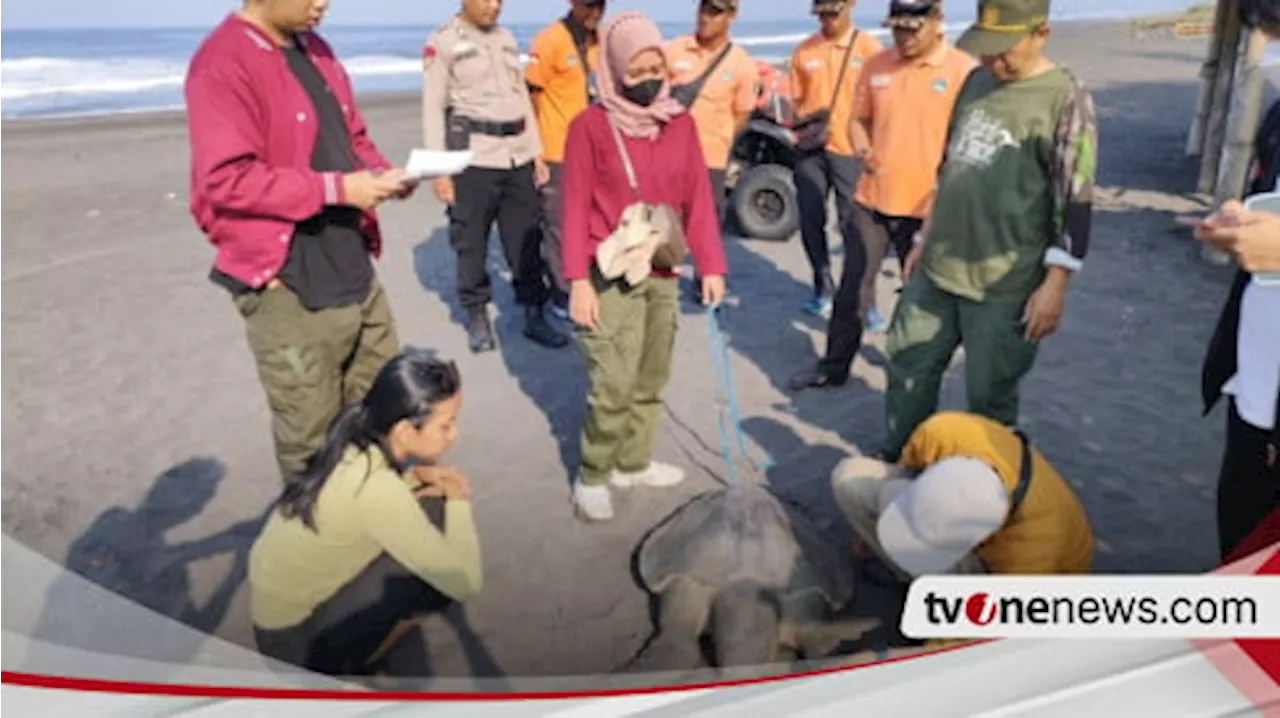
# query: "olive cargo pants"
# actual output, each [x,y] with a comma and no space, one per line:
[311,364]
[628,365]
[927,327]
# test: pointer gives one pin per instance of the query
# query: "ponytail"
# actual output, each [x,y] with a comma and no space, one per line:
[300,493]
[406,388]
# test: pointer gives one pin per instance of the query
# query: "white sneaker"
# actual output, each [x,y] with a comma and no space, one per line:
[593,502]
[657,474]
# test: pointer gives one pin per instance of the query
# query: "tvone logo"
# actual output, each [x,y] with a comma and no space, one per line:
[980,609]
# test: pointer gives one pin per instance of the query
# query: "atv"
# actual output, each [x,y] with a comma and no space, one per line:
[762,191]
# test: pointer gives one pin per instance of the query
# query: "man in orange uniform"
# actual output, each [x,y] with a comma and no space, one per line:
[562,59]
[898,128]
[720,82]
[824,70]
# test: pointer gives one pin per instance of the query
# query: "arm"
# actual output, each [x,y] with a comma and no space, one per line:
[797,81]
[860,119]
[746,94]
[701,226]
[578,174]
[435,93]
[226,163]
[450,562]
[1074,168]
[538,71]
[530,116]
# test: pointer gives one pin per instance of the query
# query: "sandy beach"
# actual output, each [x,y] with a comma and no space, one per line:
[135,428]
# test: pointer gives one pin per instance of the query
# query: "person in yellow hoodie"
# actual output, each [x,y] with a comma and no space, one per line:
[969,495]
[560,76]
[374,534]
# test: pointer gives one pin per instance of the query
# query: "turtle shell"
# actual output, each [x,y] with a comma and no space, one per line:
[743,533]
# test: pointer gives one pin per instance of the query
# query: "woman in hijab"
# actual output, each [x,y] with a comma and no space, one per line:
[627,331]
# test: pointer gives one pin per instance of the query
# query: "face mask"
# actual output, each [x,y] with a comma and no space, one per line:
[643,93]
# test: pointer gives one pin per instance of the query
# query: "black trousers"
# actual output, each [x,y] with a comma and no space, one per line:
[509,196]
[865,242]
[552,249]
[879,232]
[816,176]
[344,632]
[1248,488]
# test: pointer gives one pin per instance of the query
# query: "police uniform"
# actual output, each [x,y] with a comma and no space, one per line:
[474,97]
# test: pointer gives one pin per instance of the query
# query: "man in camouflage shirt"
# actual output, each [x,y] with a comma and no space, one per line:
[1008,227]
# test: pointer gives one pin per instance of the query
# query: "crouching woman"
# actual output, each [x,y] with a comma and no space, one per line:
[636,146]
[351,557]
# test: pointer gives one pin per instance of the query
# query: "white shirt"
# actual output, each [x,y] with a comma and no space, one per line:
[1257,379]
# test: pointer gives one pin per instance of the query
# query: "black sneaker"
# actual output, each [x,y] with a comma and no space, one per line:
[816,378]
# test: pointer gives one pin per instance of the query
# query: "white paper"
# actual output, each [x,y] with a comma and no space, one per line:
[425,164]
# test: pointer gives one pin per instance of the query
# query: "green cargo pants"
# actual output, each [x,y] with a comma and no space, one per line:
[927,327]
[628,365]
[311,364]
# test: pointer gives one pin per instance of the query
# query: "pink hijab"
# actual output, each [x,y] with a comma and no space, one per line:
[622,38]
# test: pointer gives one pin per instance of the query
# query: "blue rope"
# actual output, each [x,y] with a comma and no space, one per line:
[724,378]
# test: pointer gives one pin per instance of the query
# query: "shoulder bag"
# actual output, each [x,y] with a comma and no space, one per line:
[813,130]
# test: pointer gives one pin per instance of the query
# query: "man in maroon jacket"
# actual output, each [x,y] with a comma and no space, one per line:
[284,181]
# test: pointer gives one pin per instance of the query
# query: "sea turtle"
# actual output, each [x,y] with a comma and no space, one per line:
[748,569]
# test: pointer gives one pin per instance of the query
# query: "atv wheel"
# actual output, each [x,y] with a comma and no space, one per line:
[764,201]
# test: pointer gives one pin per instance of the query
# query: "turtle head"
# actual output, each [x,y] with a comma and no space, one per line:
[744,626]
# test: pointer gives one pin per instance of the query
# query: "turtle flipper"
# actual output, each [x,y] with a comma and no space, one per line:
[683,609]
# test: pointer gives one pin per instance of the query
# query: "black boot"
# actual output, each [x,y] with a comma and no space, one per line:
[540,331]
[479,331]
[816,378]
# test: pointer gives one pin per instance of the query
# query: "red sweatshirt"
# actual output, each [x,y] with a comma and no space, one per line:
[594,188]
[252,128]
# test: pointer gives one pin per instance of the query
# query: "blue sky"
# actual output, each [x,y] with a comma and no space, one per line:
[199,13]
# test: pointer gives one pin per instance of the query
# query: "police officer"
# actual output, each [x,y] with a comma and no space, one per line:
[474,97]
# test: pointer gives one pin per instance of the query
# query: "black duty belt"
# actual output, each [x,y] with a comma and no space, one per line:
[496,129]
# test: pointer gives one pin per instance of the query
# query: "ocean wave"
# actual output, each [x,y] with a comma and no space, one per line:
[35,77]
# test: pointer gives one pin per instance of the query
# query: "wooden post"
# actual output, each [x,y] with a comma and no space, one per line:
[1208,83]
[1215,132]
[1242,117]
[1241,125]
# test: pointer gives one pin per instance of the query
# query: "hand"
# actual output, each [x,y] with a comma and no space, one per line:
[443,187]
[584,304]
[541,173]
[366,190]
[712,290]
[409,186]
[913,259]
[444,481]
[1044,307]
[1253,238]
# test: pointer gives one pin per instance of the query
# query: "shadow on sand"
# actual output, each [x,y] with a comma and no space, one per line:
[125,551]
[560,395]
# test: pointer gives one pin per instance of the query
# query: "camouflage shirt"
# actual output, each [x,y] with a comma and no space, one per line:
[1015,189]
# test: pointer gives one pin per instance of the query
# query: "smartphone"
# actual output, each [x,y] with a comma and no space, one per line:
[1265,202]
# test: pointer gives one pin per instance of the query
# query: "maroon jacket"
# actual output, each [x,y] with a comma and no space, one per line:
[669,170]
[252,129]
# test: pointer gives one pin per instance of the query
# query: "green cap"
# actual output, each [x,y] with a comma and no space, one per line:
[1001,25]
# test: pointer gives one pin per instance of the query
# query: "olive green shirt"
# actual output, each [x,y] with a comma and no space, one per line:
[1015,190]
[365,508]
